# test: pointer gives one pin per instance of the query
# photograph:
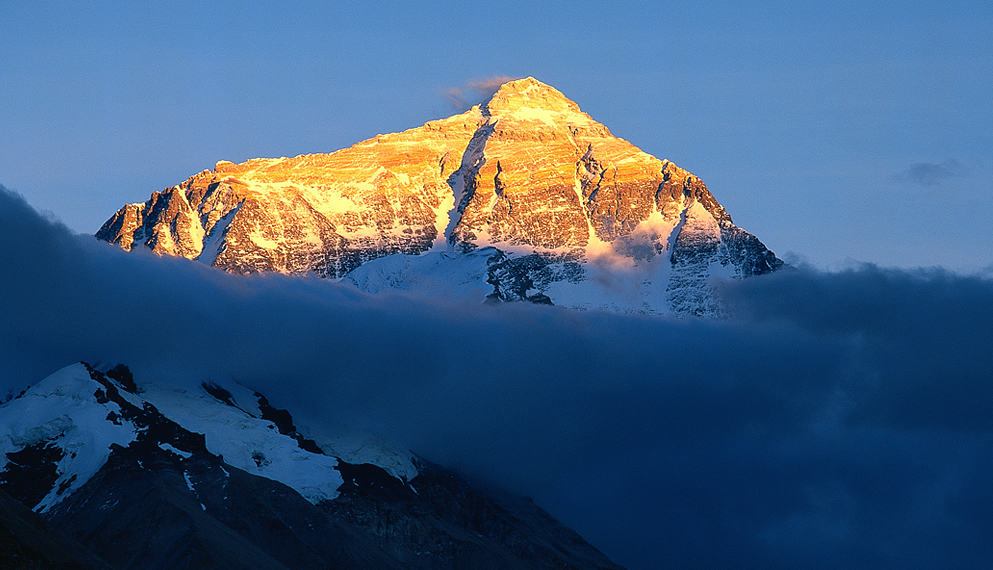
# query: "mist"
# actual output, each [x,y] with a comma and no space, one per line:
[835,419]
[474,92]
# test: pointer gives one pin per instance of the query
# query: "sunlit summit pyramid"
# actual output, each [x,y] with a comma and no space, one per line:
[523,197]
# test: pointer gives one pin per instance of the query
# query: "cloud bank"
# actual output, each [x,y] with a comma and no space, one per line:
[838,419]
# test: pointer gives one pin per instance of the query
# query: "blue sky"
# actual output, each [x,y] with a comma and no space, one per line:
[833,131]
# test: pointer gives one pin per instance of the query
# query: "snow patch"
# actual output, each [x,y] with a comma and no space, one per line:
[215,239]
[358,449]
[249,442]
[173,450]
[63,410]
[457,277]
[189,483]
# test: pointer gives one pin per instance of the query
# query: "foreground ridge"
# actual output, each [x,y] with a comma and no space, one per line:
[204,476]
[543,200]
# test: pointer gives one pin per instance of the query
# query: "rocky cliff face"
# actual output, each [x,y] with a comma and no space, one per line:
[526,173]
[207,476]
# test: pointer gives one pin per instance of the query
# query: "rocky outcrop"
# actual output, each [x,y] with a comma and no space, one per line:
[526,172]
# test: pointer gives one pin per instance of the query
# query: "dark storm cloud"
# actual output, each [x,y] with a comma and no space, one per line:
[924,335]
[838,419]
[928,174]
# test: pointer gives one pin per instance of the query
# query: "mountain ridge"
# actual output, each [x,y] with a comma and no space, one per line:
[198,476]
[526,173]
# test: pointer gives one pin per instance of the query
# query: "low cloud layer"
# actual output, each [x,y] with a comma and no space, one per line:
[838,419]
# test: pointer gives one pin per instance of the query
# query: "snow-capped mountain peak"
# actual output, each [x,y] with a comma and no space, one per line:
[565,205]
[530,99]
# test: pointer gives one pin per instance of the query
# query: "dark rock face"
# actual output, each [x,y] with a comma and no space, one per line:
[31,472]
[440,521]
[29,542]
[157,510]
[526,278]
[165,500]
[746,251]
[284,423]
[139,512]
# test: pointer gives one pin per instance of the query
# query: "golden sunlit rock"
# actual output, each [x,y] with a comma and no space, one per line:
[526,172]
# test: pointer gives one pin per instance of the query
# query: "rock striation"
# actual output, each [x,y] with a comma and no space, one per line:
[557,203]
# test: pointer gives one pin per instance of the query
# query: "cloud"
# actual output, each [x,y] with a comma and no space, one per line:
[838,419]
[489,85]
[929,174]
[474,91]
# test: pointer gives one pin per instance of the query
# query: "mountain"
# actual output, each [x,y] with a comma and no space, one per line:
[125,474]
[523,197]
